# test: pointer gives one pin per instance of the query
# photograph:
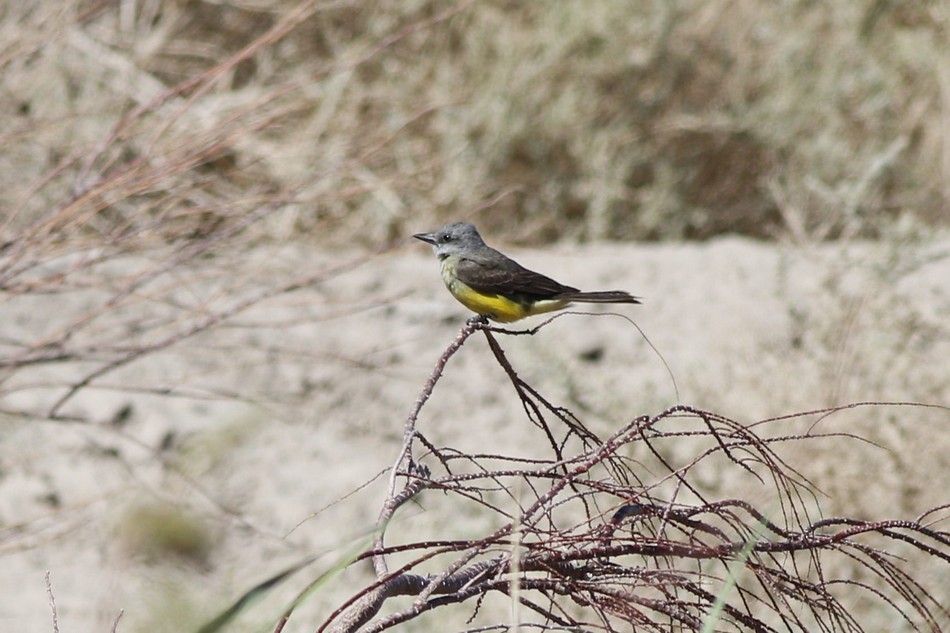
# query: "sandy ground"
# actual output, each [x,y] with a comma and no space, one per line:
[273,418]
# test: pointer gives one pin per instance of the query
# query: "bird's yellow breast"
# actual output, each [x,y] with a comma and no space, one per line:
[495,306]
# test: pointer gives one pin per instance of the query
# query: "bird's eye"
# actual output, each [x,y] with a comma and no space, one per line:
[445,237]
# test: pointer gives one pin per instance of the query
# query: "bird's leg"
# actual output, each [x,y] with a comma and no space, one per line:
[478,319]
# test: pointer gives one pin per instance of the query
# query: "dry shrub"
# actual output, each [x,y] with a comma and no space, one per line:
[602,119]
[608,534]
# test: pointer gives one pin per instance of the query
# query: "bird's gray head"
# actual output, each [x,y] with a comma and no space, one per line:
[453,239]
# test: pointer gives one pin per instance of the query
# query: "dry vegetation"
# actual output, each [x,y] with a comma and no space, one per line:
[562,556]
[364,121]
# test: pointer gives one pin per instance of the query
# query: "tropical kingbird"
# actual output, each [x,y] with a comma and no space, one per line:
[496,286]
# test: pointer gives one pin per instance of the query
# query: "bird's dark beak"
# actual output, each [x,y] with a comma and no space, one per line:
[428,238]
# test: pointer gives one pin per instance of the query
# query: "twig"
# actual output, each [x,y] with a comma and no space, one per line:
[52,602]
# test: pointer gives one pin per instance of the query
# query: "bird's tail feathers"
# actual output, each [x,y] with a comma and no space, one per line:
[606,296]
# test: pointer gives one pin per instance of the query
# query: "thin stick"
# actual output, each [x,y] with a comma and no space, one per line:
[52,602]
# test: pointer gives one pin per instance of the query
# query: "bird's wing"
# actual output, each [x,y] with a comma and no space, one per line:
[498,274]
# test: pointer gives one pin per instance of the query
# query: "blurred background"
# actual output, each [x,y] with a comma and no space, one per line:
[364,122]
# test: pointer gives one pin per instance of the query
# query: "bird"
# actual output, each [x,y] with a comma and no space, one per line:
[496,287]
